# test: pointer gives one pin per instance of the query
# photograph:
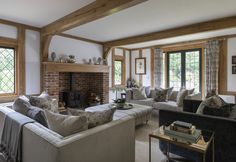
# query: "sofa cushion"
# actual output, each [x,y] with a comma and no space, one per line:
[66,125]
[146,102]
[148,91]
[43,101]
[21,105]
[139,94]
[166,105]
[37,114]
[173,95]
[161,95]
[180,97]
[214,106]
[95,118]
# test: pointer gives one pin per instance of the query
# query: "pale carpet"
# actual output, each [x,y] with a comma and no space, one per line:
[142,144]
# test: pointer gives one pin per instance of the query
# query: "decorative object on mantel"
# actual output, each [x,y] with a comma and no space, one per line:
[53,56]
[62,60]
[104,62]
[140,66]
[99,61]
[71,59]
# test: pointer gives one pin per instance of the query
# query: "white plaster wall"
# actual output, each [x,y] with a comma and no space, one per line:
[134,55]
[147,78]
[32,62]
[81,50]
[8,31]
[231,77]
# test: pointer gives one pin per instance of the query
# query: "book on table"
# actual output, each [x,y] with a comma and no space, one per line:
[183,130]
[185,137]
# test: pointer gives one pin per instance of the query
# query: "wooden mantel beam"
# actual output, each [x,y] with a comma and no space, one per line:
[89,13]
[217,24]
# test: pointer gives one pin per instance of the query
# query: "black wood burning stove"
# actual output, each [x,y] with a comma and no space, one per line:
[72,98]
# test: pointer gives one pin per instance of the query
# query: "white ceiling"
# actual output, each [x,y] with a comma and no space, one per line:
[190,37]
[154,15]
[38,12]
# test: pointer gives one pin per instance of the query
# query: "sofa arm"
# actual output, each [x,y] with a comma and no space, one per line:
[190,105]
[114,141]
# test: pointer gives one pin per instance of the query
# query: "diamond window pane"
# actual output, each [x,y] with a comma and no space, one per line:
[175,71]
[118,72]
[7,70]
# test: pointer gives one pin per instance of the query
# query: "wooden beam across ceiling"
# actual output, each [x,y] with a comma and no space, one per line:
[217,24]
[89,13]
[79,38]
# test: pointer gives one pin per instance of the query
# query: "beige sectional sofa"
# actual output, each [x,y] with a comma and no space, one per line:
[170,104]
[114,141]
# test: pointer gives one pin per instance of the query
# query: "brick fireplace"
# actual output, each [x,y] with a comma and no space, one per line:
[85,80]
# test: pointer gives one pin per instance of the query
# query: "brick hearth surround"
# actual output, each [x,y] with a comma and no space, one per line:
[56,82]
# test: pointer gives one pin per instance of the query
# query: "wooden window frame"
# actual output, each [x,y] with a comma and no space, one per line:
[10,96]
[123,60]
[183,64]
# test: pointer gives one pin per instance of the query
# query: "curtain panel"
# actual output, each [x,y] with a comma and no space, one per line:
[158,70]
[212,65]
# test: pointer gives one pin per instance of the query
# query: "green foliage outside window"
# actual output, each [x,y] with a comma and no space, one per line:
[7,70]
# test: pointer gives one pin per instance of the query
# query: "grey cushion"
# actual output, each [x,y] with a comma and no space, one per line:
[180,97]
[148,91]
[43,101]
[139,94]
[161,95]
[37,114]
[173,95]
[95,118]
[21,105]
[66,125]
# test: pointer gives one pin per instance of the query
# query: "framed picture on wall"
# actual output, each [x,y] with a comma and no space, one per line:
[140,66]
[233,59]
[233,69]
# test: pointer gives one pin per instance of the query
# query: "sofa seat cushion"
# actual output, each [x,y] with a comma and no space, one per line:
[146,102]
[166,105]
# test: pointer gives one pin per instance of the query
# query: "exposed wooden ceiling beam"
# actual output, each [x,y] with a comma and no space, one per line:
[89,13]
[217,24]
[6,22]
[80,38]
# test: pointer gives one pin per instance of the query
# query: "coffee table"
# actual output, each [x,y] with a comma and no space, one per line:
[142,114]
[201,146]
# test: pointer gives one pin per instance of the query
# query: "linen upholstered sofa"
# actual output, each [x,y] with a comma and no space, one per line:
[171,103]
[113,141]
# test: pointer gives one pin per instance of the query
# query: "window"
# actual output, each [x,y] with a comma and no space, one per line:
[118,69]
[184,69]
[7,71]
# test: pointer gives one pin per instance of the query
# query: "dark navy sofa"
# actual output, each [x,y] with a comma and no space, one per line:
[224,129]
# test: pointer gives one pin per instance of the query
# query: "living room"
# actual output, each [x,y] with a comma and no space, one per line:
[108,80]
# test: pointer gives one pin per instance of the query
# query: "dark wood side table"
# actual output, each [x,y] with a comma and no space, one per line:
[200,147]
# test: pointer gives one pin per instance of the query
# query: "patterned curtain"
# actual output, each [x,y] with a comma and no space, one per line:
[212,66]
[158,70]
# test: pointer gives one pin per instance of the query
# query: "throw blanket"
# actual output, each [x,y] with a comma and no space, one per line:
[11,141]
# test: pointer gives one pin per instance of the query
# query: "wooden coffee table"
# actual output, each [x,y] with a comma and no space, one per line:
[201,146]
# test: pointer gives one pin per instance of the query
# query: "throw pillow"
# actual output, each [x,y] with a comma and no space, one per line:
[95,118]
[21,105]
[43,101]
[148,91]
[139,94]
[161,95]
[37,114]
[169,92]
[66,125]
[180,97]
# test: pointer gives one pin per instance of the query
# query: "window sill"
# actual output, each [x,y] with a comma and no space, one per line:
[8,98]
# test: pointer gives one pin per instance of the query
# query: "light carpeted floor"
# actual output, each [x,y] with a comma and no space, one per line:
[142,144]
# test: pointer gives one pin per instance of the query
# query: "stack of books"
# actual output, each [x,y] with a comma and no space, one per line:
[182,131]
